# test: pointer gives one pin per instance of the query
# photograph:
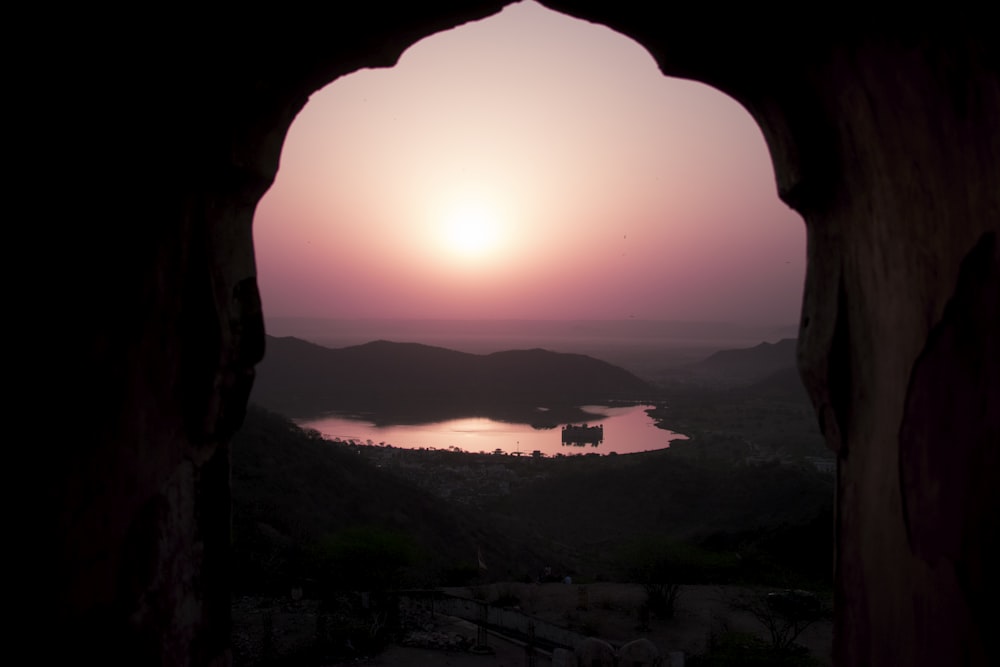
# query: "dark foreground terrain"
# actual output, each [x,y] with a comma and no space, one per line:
[707,628]
[324,520]
[680,546]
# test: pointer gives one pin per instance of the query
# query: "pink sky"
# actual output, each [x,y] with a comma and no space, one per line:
[527,166]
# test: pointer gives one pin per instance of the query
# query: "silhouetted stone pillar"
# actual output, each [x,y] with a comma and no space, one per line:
[884,130]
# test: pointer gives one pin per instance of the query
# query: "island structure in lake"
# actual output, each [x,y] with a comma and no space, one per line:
[582,435]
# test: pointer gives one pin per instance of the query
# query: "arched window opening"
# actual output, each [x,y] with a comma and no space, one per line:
[533,181]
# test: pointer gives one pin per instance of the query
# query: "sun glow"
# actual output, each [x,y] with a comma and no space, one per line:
[527,166]
[471,231]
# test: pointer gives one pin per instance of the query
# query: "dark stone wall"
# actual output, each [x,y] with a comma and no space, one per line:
[150,137]
[884,131]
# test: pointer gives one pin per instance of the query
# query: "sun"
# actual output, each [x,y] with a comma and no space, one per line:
[471,231]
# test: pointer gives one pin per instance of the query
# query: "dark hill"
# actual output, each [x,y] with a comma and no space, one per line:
[409,380]
[293,491]
[781,385]
[748,364]
[593,507]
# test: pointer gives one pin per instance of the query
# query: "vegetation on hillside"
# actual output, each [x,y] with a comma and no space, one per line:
[294,492]
[296,496]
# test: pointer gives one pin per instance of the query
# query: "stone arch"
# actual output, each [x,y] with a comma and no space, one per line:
[885,135]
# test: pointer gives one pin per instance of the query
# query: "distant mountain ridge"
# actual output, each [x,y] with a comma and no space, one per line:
[749,364]
[301,379]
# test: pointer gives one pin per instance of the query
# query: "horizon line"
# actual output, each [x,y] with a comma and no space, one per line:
[527,319]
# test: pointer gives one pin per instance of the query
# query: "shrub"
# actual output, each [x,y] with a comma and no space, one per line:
[786,614]
[661,566]
[365,559]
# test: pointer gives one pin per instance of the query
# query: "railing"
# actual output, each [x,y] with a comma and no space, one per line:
[509,622]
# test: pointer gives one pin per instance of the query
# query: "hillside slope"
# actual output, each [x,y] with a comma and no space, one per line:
[301,379]
[749,364]
[293,491]
[598,506]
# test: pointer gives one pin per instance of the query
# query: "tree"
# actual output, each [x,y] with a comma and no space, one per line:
[360,570]
[366,559]
[660,566]
[786,614]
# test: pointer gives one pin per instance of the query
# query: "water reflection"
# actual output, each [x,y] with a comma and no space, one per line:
[624,430]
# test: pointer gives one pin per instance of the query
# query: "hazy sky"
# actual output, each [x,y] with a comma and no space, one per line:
[528,165]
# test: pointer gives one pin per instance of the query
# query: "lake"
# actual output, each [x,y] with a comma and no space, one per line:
[626,430]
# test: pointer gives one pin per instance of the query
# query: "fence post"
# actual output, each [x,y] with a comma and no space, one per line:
[482,645]
[529,647]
